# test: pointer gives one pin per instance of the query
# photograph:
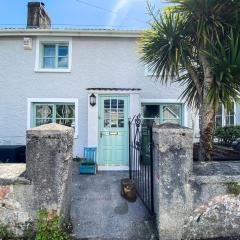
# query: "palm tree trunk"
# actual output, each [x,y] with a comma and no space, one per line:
[206,132]
[207,115]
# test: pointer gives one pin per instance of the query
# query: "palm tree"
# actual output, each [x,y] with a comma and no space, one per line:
[196,43]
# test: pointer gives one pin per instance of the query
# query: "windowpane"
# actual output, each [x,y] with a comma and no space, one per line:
[172,113]
[230,109]
[48,62]
[229,120]
[55,56]
[43,121]
[218,121]
[63,62]
[55,113]
[219,110]
[63,51]
[66,122]
[44,111]
[49,50]
[151,111]
[65,111]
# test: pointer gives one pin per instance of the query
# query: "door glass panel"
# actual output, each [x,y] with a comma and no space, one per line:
[113,113]
[172,113]
[121,123]
[121,109]
[106,110]
[113,123]
[106,123]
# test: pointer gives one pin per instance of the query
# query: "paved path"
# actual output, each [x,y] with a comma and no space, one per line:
[99,212]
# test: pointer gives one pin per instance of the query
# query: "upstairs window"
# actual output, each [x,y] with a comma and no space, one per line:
[54,56]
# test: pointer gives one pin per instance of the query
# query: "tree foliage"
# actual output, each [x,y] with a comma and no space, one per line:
[182,33]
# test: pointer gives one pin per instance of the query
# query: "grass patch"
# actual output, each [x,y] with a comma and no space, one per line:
[234,188]
[48,226]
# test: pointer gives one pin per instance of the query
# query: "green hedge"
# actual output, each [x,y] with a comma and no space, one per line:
[226,135]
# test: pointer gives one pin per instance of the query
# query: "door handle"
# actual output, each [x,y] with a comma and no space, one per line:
[101,134]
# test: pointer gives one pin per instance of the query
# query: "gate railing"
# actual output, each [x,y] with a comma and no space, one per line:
[141,160]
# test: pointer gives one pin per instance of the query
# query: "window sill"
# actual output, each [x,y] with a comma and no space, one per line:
[53,70]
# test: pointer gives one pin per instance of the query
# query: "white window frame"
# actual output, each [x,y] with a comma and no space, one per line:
[196,120]
[224,115]
[31,101]
[55,40]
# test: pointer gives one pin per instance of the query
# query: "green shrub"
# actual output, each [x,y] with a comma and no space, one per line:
[234,188]
[226,135]
[50,228]
[6,234]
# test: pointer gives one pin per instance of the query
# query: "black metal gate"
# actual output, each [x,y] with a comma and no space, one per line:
[141,160]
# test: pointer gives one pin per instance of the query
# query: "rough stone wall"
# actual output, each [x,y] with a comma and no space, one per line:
[49,154]
[16,208]
[191,200]
[46,182]
[172,169]
[211,179]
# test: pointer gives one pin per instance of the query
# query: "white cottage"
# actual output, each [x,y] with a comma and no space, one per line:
[92,80]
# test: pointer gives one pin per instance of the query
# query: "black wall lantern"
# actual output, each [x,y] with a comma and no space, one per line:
[92,100]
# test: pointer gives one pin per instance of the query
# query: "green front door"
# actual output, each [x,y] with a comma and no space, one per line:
[113,131]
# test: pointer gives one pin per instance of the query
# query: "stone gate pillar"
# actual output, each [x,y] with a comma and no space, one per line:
[172,159]
[49,154]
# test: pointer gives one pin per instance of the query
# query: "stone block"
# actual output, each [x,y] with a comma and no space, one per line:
[49,154]
[172,159]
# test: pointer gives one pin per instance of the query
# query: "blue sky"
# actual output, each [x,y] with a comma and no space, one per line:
[126,14]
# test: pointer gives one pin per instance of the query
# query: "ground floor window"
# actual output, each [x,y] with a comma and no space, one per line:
[225,116]
[61,113]
[162,113]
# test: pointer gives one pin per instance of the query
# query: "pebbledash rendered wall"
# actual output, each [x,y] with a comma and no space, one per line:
[110,62]
[45,181]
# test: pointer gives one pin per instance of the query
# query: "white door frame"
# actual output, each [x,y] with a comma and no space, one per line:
[93,120]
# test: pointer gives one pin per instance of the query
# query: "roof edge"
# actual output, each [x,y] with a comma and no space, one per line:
[71,33]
